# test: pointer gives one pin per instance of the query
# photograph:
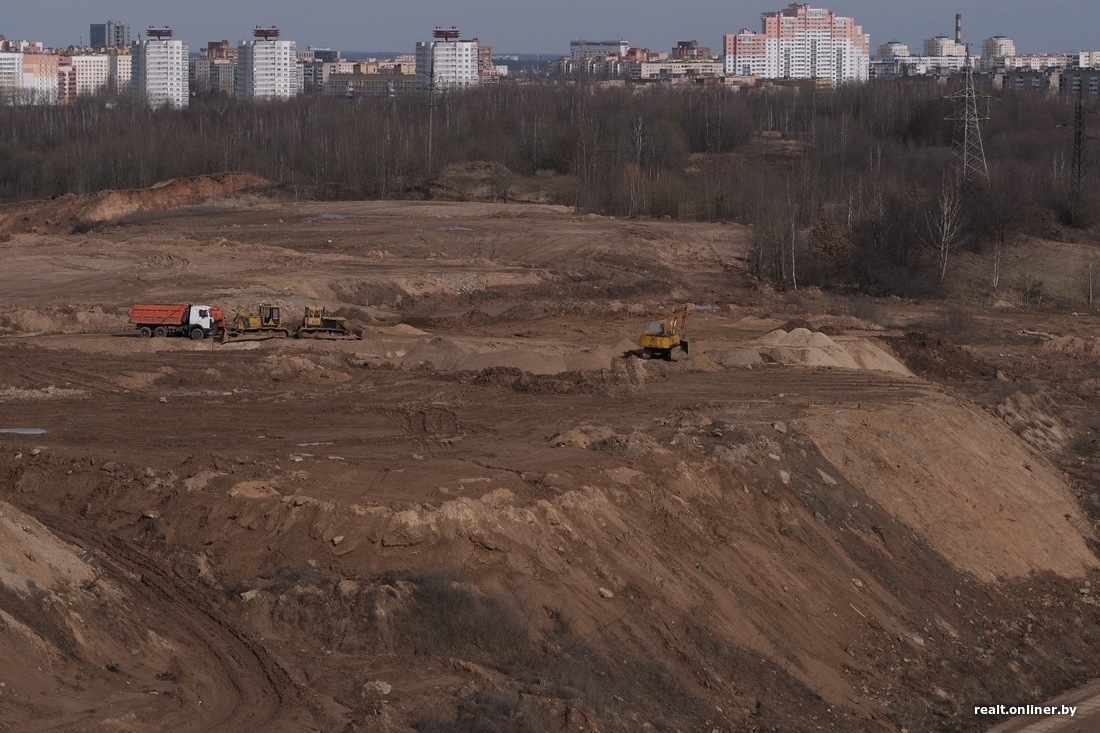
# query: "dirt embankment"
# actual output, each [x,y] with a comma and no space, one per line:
[73,213]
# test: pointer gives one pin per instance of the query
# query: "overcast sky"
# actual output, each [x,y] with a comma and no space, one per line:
[547,26]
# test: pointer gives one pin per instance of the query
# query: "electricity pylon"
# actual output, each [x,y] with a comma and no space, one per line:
[966,145]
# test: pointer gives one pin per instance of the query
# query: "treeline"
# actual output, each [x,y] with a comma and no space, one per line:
[840,185]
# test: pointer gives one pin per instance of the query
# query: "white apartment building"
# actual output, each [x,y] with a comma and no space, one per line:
[446,64]
[579,50]
[267,68]
[944,46]
[159,75]
[893,50]
[93,72]
[1086,59]
[998,46]
[800,42]
[11,74]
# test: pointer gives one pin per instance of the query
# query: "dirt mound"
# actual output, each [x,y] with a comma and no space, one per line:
[936,359]
[1072,345]
[968,502]
[74,213]
[803,347]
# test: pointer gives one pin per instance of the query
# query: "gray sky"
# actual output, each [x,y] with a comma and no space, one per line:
[547,26]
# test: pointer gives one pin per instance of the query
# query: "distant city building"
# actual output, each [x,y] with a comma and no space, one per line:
[92,73]
[219,51]
[1087,59]
[486,72]
[670,69]
[325,55]
[579,50]
[40,78]
[900,66]
[690,51]
[111,34]
[892,50]
[120,71]
[66,80]
[998,47]
[367,80]
[944,46]
[17,46]
[11,76]
[160,70]
[800,42]
[446,62]
[1085,79]
[267,68]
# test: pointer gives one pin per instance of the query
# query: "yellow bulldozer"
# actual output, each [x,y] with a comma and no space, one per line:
[317,323]
[265,320]
[662,337]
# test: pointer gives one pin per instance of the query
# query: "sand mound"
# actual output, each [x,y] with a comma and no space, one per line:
[1072,345]
[803,347]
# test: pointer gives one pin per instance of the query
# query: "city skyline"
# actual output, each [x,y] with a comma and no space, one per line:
[1060,26]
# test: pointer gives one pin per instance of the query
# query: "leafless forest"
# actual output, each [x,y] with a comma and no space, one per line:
[844,187]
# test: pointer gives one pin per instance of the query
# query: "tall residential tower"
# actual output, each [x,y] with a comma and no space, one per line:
[159,70]
[267,68]
[800,42]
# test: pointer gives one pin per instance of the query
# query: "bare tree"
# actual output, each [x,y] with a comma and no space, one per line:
[945,223]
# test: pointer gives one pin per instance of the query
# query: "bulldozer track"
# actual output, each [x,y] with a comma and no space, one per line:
[247,690]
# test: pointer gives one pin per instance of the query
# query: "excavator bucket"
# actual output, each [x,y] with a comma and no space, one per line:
[684,345]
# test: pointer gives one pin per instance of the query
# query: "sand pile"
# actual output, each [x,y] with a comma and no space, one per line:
[1072,345]
[803,347]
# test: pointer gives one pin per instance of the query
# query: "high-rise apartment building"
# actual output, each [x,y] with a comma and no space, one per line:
[111,34]
[446,62]
[40,78]
[800,42]
[11,75]
[159,71]
[998,47]
[944,46]
[267,68]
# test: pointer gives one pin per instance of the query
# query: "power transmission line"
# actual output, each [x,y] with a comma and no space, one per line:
[966,145]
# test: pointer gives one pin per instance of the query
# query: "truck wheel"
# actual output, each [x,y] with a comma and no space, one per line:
[197,334]
[160,332]
[145,332]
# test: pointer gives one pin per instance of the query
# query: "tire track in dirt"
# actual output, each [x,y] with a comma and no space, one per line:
[246,689]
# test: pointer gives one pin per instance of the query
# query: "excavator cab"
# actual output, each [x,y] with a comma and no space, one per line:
[661,337]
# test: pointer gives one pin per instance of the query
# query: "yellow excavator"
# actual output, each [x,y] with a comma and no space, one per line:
[661,337]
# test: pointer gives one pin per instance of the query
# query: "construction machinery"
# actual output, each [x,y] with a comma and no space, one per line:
[265,320]
[661,337]
[177,319]
[317,323]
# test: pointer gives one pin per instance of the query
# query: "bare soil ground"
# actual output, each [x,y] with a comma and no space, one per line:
[833,515]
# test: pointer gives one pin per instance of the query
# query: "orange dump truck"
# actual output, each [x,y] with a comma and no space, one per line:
[194,321]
